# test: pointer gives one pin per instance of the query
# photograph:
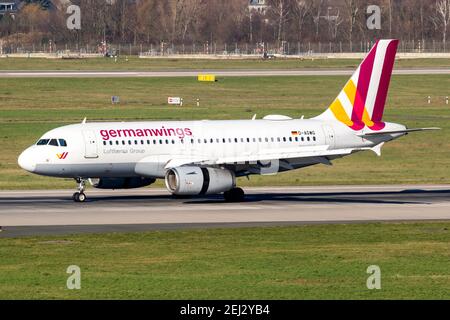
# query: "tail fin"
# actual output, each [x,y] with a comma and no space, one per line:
[361,102]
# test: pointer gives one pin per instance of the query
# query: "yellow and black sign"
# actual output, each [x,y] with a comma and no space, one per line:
[206,78]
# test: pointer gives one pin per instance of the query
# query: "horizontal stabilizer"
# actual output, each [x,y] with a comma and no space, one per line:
[381,133]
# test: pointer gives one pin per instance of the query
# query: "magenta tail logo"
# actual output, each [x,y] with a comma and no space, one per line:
[361,102]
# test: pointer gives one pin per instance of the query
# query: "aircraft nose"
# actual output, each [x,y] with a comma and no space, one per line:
[26,161]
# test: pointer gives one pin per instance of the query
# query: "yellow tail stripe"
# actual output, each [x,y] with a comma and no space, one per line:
[366,119]
[339,112]
[350,91]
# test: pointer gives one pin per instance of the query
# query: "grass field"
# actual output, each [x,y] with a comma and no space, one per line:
[309,262]
[134,63]
[30,107]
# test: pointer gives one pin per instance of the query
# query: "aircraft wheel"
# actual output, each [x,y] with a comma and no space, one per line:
[81,197]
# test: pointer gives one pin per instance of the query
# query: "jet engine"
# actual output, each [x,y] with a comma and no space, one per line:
[120,183]
[185,181]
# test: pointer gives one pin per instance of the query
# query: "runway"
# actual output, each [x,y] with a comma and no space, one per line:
[218,73]
[26,213]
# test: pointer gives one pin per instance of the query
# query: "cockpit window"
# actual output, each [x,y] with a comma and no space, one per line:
[52,142]
[62,143]
[42,142]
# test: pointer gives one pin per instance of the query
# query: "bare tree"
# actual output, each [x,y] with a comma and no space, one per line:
[334,21]
[301,9]
[317,9]
[441,18]
[353,11]
[189,12]
[280,9]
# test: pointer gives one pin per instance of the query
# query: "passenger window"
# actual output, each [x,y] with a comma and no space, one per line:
[117,142]
[296,139]
[314,138]
[290,139]
[248,139]
[235,140]
[308,139]
[284,139]
[53,142]
[104,143]
[62,142]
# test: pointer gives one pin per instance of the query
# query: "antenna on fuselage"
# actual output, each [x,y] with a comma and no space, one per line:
[84,121]
[254,117]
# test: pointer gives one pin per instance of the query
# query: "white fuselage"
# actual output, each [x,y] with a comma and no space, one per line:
[147,149]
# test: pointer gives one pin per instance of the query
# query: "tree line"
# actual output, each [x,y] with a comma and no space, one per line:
[226,21]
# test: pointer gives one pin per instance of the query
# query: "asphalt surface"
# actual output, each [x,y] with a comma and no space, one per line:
[27,213]
[194,73]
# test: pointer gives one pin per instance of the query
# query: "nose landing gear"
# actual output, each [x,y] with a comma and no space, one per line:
[79,196]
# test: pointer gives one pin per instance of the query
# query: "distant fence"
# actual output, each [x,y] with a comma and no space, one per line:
[166,49]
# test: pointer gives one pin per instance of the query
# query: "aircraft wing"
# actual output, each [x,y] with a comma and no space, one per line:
[320,152]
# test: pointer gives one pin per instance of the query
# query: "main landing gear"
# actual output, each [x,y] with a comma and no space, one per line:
[79,196]
[234,195]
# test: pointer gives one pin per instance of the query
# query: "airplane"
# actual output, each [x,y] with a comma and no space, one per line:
[205,157]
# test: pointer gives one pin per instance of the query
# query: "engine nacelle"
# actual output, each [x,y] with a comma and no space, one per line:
[196,180]
[120,183]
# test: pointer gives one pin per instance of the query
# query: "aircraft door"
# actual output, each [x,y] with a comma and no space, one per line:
[90,144]
[329,136]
